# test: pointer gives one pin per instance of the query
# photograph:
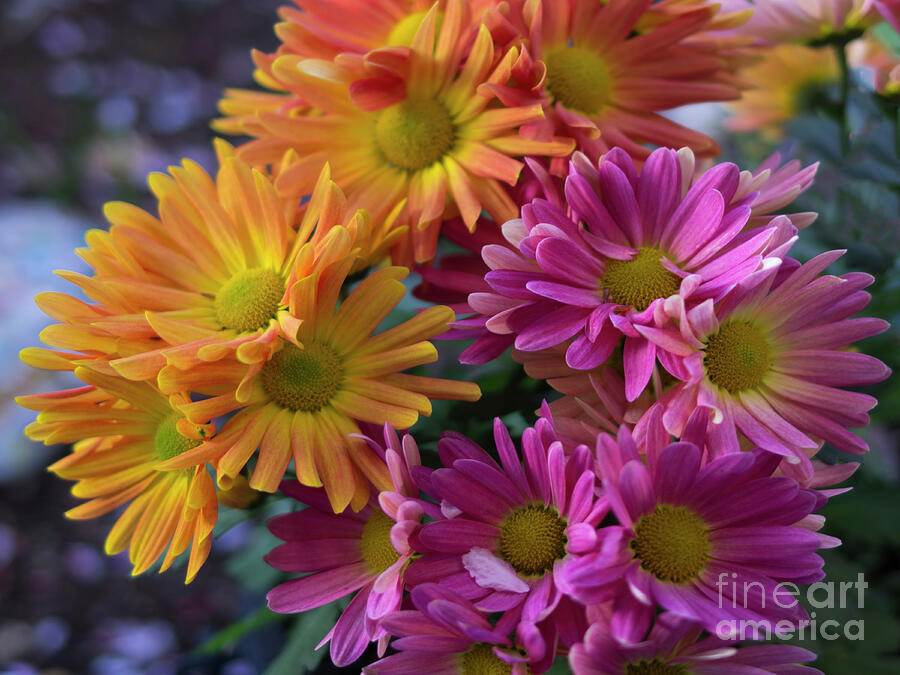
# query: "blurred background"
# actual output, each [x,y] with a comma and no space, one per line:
[95,94]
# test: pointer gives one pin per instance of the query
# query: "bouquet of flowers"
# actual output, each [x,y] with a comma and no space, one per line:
[250,346]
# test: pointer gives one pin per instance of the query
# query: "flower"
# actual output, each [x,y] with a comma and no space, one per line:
[879,63]
[806,21]
[411,125]
[304,401]
[629,241]
[706,540]
[123,431]
[366,552]
[605,69]
[890,10]
[782,79]
[509,527]
[674,645]
[448,634]
[769,359]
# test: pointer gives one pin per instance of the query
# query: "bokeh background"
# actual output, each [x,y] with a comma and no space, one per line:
[95,94]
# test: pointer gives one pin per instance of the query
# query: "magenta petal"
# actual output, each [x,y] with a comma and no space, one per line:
[639,358]
[350,637]
[299,595]
[459,535]
[554,327]
[314,555]
[489,571]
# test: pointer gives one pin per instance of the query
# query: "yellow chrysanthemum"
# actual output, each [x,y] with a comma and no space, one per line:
[408,123]
[780,79]
[305,402]
[122,432]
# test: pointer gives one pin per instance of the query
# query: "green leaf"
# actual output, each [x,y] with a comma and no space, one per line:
[230,635]
[299,654]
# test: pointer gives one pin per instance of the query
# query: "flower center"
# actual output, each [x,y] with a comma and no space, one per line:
[654,667]
[169,442]
[303,379]
[639,281]
[404,31]
[737,357]
[481,660]
[578,78]
[532,538]
[415,133]
[249,300]
[377,550]
[672,544]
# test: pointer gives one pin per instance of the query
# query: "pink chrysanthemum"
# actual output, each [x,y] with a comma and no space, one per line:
[629,241]
[777,21]
[674,645]
[508,528]
[366,551]
[709,542]
[770,359]
[447,634]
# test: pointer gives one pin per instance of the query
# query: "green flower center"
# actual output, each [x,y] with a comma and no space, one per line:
[672,543]
[404,31]
[532,538]
[578,78]
[249,300]
[737,357]
[415,133]
[377,550]
[654,667]
[303,379]
[169,442]
[481,660]
[639,281]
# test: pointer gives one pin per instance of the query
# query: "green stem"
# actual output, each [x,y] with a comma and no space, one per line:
[841,53]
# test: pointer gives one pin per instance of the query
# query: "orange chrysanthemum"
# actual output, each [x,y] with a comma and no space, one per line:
[305,402]
[408,122]
[605,70]
[122,432]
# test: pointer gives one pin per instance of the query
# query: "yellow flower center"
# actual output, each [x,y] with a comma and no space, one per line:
[737,357]
[578,78]
[654,667]
[481,660]
[404,31]
[169,442]
[303,379]
[639,281]
[532,538]
[672,544]
[377,550]
[415,133]
[249,300]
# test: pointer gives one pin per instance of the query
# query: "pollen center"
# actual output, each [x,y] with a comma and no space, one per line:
[639,281]
[481,660]
[377,550]
[532,538]
[303,379]
[169,442]
[737,357]
[415,133]
[249,300]
[672,544]
[578,78]
[405,30]
[654,667]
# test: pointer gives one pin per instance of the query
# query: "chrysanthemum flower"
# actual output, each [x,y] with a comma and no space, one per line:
[603,83]
[218,267]
[880,65]
[629,242]
[366,552]
[510,526]
[695,538]
[414,125]
[674,646]
[122,432]
[770,359]
[808,21]
[447,634]
[782,79]
[305,401]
